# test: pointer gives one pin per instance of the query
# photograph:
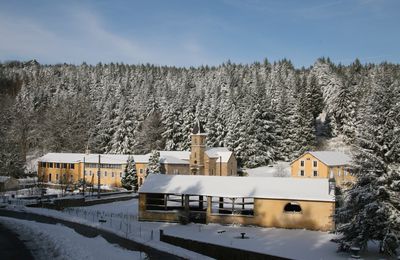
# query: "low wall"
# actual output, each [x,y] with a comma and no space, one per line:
[60,204]
[216,251]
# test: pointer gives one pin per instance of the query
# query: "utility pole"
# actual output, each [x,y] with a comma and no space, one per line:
[220,166]
[84,176]
[98,179]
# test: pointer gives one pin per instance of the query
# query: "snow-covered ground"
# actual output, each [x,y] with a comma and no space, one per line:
[59,242]
[121,218]
[279,169]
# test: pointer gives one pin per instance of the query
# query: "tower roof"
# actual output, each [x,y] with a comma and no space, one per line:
[198,128]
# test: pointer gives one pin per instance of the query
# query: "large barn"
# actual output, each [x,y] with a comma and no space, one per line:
[263,201]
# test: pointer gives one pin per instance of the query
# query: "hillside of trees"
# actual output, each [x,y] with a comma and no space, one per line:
[262,111]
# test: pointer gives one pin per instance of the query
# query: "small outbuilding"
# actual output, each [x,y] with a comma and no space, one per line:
[263,201]
[8,183]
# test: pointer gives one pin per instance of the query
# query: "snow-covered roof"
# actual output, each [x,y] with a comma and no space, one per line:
[239,187]
[91,158]
[182,155]
[219,152]
[332,158]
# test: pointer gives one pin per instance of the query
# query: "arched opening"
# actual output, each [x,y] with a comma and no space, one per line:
[292,207]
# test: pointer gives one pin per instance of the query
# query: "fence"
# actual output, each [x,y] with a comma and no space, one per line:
[125,223]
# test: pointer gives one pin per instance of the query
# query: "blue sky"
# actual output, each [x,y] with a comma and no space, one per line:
[192,33]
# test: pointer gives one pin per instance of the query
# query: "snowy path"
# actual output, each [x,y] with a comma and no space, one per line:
[48,241]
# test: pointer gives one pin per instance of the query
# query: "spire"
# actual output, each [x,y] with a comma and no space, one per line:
[198,128]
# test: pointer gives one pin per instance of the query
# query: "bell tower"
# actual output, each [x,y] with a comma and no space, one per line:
[198,147]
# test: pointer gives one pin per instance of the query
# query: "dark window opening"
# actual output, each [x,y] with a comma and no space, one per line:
[72,166]
[302,163]
[292,207]
[315,163]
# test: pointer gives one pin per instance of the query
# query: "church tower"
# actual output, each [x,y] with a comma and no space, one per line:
[198,147]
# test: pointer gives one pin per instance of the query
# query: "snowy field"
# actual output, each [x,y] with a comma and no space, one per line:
[122,219]
[59,242]
[279,169]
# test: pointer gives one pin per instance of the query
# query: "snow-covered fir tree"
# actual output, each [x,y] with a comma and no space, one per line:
[108,107]
[129,180]
[371,211]
[154,163]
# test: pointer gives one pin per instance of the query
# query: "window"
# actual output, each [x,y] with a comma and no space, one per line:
[64,165]
[292,207]
[90,173]
[57,177]
[141,170]
[72,166]
[302,163]
[105,174]
[315,173]
[112,174]
[51,165]
[232,206]
[120,174]
[315,163]
[301,172]
[58,165]
[50,177]
[43,164]
[212,171]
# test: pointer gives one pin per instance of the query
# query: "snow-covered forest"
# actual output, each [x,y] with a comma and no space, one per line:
[262,111]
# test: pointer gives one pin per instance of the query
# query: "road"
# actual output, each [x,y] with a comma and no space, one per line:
[11,247]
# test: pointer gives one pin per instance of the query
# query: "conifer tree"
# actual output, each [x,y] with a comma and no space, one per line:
[372,205]
[129,180]
[154,163]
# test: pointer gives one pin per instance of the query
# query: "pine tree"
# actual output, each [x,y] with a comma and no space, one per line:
[154,163]
[129,180]
[372,206]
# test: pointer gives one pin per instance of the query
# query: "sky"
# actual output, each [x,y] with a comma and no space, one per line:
[199,32]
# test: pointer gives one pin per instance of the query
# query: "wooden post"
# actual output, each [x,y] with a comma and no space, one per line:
[201,202]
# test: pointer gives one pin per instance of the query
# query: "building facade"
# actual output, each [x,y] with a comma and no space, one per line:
[323,164]
[260,201]
[66,168]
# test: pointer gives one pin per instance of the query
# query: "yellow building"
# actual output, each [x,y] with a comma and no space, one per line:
[201,160]
[323,164]
[261,201]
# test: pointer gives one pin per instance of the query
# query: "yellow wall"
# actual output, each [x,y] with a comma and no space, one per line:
[175,169]
[154,215]
[315,215]
[340,173]
[57,174]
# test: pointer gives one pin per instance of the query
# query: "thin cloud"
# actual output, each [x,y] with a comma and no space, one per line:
[90,41]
